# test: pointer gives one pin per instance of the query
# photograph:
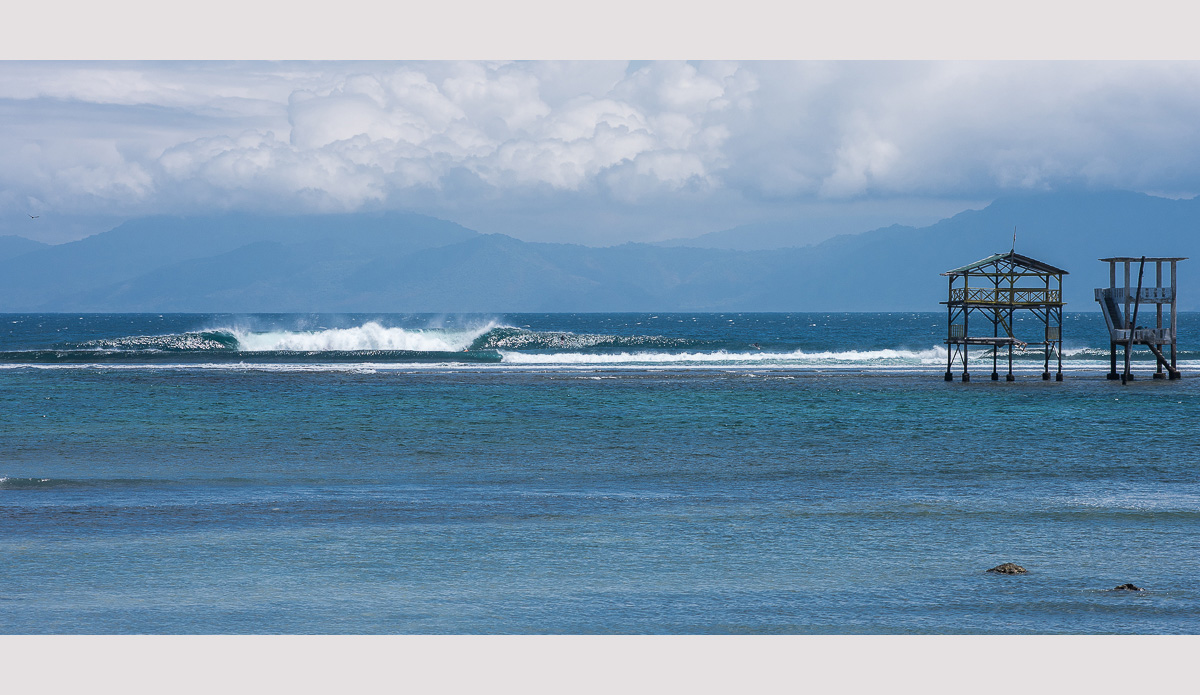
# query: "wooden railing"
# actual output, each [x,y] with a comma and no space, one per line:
[1004,295]
[1154,335]
[1154,295]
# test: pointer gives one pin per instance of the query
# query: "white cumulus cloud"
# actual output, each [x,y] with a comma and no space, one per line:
[160,137]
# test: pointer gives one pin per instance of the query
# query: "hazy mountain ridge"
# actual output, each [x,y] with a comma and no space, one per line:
[759,236]
[411,263]
[12,246]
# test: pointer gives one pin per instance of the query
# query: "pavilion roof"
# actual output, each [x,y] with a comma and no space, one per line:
[1012,258]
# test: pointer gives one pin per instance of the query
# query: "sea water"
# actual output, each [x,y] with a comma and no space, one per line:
[585,473]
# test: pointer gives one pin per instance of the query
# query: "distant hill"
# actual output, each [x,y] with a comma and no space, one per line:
[12,246]
[55,227]
[158,263]
[411,263]
[1069,230]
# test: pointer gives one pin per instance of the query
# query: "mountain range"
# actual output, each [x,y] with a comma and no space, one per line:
[396,262]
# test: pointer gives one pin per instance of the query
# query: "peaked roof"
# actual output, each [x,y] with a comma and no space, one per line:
[1010,257]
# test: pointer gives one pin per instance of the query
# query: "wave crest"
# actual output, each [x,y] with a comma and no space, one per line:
[509,338]
[369,336]
[179,342]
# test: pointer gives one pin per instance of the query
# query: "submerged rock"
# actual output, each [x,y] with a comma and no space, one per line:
[1008,568]
[1127,587]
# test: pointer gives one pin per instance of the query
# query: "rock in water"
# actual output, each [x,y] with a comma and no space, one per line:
[1127,587]
[1008,568]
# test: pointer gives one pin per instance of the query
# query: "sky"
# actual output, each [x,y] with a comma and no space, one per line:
[598,152]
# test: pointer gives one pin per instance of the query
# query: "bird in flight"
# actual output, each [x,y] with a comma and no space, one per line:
[34,217]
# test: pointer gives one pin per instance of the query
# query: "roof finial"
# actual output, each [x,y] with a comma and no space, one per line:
[1014,246]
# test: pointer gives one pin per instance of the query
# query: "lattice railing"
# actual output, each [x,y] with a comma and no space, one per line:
[1004,295]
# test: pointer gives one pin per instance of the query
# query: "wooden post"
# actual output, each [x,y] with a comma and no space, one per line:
[949,327]
[1174,338]
[1112,345]
[995,334]
[1058,376]
[1046,332]
[1158,283]
[966,314]
[1125,316]
[1137,301]
[1010,376]
[1158,367]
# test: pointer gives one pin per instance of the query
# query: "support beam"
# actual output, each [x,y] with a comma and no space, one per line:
[1162,362]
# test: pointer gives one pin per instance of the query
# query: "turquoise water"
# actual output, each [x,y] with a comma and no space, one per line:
[737,473]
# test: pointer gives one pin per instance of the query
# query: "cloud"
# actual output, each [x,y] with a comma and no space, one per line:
[411,127]
[160,137]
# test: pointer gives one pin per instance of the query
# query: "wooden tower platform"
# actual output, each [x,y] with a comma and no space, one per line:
[1120,305]
[980,312]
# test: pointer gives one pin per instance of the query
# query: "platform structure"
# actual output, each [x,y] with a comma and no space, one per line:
[983,299]
[1121,305]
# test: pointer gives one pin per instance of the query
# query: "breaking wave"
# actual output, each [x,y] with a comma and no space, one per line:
[509,338]
[369,336]
[369,342]
[180,342]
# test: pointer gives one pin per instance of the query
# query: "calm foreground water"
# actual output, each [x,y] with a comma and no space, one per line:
[604,473]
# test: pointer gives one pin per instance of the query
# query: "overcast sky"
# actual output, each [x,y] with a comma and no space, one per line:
[593,152]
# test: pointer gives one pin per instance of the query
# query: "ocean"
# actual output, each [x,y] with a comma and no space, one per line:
[647,473]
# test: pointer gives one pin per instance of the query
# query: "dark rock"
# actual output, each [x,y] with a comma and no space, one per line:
[1127,587]
[1008,568]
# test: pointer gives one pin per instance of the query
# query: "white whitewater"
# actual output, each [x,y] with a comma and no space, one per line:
[369,336]
[797,358]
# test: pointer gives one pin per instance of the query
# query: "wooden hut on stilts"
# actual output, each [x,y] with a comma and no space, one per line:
[982,303]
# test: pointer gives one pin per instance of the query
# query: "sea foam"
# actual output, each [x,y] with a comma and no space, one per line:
[796,358]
